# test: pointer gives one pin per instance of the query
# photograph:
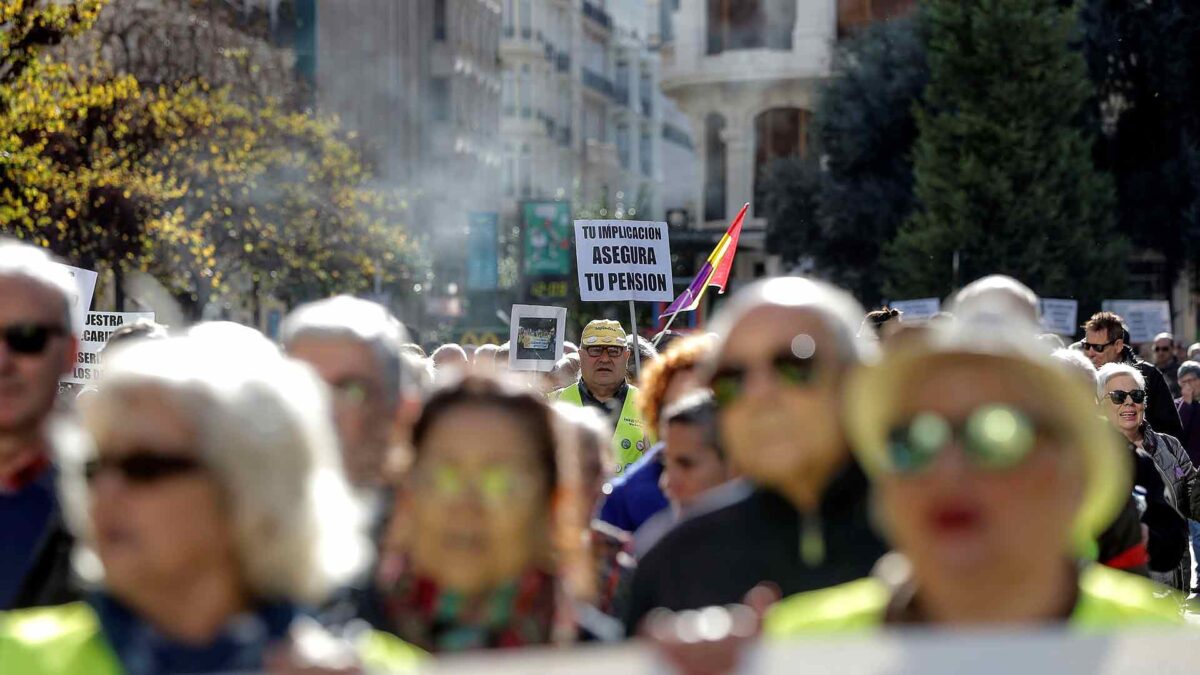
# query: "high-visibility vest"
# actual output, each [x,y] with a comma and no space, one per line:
[1108,599]
[67,640]
[630,438]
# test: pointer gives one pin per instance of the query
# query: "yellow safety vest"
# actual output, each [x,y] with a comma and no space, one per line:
[630,438]
[67,640]
[1108,599]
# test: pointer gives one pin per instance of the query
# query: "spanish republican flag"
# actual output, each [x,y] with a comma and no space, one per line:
[715,271]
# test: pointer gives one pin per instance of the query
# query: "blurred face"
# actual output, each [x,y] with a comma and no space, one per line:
[449,359]
[479,502]
[603,367]
[1163,352]
[1128,415]
[691,466]
[36,349]
[959,522]
[777,384]
[1189,387]
[485,360]
[364,418]
[158,516]
[1111,348]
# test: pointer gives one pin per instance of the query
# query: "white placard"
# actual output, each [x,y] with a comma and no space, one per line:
[917,310]
[1143,318]
[97,327]
[623,260]
[85,282]
[1060,316]
[536,335]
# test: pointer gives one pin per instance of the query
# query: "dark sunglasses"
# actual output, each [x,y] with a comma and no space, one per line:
[729,381]
[29,338]
[1162,349]
[993,438]
[1098,348]
[598,351]
[1118,397]
[142,467]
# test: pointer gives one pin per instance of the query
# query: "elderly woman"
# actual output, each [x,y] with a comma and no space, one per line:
[1122,392]
[990,474]
[496,536]
[213,512]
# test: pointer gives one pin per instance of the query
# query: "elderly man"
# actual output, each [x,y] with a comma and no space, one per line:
[1104,343]
[37,347]
[1166,361]
[355,346]
[604,356]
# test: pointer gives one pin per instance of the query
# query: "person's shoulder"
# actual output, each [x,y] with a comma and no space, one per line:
[60,639]
[854,606]
[49,624]
[1112,598]
[707,528]
[383,652]
[557,394]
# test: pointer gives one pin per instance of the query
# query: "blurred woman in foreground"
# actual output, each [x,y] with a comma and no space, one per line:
[496,542]
[214,512]
[990,472]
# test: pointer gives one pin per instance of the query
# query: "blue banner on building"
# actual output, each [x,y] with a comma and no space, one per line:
[482,273]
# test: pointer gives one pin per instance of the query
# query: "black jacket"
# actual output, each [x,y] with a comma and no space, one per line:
[716,557]
[1160,405]
[1168,529]
[50,580]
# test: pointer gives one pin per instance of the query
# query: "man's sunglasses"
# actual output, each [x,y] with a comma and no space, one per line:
[1162,349]
[142,468]
[598,351]
[729,381]
[29,338]
[993,438]
[1118,397]
[1098,348]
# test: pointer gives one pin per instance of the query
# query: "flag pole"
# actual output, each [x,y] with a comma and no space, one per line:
[637,352]
[658,338]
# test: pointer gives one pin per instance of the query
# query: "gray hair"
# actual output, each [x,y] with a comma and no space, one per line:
[1165,336]
[1077,364]
[345,317]
[1189,368]
[1110,370]
[995,291]
[837,310]
[25,261]
[266,433]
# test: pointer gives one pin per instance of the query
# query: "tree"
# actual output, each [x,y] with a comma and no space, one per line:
[1145,60]
[1005,180]
[840,206]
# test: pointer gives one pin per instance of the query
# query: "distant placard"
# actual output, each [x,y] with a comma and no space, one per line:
[85,283]
[623,260]
[1143,318]
[97,327]
[536,337]
[1060,316]
[917,310]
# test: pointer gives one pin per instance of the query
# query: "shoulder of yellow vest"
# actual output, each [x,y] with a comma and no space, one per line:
[855,605]
[43,625]
[386,653]
[1112,597]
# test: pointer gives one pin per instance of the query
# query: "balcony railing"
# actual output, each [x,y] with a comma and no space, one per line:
[564,135]
[597,14]
[563,62]
[598,82]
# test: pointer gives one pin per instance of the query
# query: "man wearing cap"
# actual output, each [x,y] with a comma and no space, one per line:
[604,356]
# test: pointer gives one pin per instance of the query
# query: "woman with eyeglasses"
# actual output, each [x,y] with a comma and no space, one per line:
[991,474]
[1124,401]
[495,545]
[212,515]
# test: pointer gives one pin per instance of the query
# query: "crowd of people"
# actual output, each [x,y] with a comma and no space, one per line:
[340,501]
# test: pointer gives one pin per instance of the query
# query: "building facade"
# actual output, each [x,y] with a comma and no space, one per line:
[746,74]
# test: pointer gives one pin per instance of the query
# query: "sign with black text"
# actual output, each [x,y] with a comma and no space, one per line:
[1060,316]
[1143,318]
[623,260]
[97,327]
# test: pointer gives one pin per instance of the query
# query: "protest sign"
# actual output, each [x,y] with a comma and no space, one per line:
[1059,316]
[97,327]
[536,335]
[1143,318]
[917,310]
[623,260]
[85,283]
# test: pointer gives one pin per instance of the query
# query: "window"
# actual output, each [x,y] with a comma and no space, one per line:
[508,93]
[714,168]
[623,150]
[525,92]
[525,18]
[778,133]
[646,153]
[750,24]
[439,20]
[525,172]
[439,99]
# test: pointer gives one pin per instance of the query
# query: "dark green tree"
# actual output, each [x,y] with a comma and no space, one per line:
[1145,60]
[838,207]
[1005,179]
